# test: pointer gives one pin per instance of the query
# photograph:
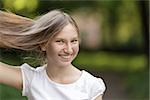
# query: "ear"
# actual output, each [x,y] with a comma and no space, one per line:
[43,47]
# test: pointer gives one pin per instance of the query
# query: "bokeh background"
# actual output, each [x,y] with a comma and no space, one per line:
[115,43]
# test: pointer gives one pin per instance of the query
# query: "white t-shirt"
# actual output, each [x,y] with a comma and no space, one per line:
[38,86]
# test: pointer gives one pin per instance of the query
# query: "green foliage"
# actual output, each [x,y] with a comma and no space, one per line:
[111,61]
[121,28]
[120,20]
[9,93]
[137,84]
[12,56]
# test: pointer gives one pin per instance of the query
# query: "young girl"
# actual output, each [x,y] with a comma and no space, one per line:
[56,35]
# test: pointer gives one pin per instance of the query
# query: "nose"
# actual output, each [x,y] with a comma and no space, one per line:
[68,48]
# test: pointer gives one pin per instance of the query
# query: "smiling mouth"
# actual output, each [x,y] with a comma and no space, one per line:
[66,57]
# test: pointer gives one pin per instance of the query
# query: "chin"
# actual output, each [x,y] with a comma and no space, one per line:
[64,64]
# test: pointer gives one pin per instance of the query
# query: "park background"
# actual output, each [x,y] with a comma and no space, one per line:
[115,43]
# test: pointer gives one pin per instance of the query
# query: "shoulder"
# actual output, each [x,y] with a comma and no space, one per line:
[94,83]
[92,78]
[30,71]
[27,67]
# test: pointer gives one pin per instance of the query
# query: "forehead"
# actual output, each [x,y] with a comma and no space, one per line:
[67,32]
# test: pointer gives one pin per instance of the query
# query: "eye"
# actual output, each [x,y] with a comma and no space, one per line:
[74,41]
[60,41]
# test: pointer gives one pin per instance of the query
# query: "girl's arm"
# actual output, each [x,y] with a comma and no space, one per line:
[99,97]
[10,75]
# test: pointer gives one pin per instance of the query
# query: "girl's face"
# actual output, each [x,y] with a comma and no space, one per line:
[63,47]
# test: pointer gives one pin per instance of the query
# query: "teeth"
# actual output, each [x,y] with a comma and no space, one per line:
[66,57]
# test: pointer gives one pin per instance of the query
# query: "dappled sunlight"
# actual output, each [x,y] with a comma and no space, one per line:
[20,5]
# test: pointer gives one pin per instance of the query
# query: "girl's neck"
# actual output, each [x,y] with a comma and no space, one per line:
[63,74]
[58,71]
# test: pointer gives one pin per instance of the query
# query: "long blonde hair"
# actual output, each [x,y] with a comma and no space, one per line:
[27,34]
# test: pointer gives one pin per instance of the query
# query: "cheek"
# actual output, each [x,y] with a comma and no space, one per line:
[76,48]
[51,50]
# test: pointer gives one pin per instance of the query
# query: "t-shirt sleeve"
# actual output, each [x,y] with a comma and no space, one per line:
[98,88]
[27,76]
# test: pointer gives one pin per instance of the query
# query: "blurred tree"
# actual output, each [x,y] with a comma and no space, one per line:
[121,26]
[144,12]
[21,7]
[121,23]
[124,26]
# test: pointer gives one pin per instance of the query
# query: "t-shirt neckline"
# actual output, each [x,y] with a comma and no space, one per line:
[60,84]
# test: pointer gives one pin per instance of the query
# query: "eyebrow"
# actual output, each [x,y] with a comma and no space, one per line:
[63,38]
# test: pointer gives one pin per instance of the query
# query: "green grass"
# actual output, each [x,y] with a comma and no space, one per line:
[111,61]
[137,84]
[10,93]
[89,60]
[99,61]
